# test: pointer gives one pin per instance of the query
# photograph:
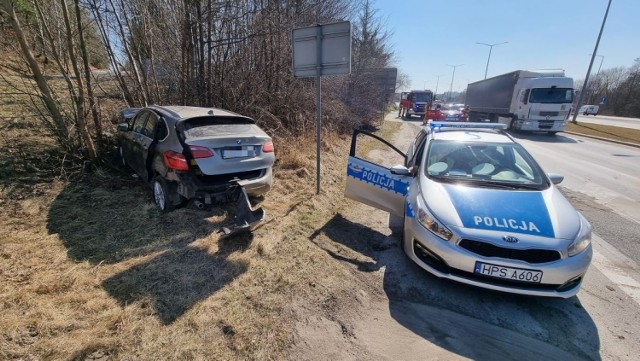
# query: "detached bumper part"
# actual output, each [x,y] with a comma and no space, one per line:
[245,219]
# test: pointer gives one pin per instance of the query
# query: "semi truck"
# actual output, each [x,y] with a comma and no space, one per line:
[415,102]
[538,100]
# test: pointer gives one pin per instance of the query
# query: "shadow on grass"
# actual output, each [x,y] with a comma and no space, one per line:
[106,219]
[174,281]
[472,322]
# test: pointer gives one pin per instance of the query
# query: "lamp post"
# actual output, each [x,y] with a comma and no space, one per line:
[489,58]
[435,94]
[596,76]
[593,56]
[452,75]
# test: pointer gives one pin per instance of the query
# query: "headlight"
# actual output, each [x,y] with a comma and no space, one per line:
[428,221]
[583,240]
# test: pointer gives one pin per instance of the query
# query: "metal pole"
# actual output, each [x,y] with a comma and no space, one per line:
[452,76]
[593,56]
[486,69]
[318,103]
[437,82]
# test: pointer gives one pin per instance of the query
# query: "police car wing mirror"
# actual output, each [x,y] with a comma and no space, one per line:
[555,178]
[401,170]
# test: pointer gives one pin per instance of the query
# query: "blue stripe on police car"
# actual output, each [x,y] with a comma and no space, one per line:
[378,179]
[517,212]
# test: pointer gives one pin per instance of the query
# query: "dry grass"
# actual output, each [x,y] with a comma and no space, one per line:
[606,131]
[92,271]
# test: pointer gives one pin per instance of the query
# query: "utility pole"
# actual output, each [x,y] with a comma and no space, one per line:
[452,76]
[593,56]
[489,58]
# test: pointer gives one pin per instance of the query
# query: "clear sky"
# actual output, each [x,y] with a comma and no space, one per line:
[541,34]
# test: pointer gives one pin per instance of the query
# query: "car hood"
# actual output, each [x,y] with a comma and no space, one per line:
[535,213]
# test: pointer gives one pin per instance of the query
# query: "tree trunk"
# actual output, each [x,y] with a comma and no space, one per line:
[80,115]
[52,107]
[87,74]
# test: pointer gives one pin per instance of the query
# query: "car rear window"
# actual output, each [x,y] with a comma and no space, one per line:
[212,126]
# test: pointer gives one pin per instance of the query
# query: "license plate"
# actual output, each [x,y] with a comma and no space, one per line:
[509,273]
[237,153]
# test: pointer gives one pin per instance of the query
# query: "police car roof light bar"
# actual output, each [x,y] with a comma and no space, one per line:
[435,126]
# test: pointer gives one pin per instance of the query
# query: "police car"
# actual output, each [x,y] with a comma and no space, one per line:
[477,209]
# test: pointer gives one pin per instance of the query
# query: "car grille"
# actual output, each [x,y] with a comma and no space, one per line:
[549,114]
[527,255]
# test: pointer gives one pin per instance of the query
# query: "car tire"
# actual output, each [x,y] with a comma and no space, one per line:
[164,194]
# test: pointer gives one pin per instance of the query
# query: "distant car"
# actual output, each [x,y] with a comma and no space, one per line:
[452,112]
[478,209]
[589,110]
[190,153]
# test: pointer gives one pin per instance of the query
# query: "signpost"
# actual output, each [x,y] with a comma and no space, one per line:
[385,79]
[318,51]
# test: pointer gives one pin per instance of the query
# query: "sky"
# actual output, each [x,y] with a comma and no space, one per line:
[541,34]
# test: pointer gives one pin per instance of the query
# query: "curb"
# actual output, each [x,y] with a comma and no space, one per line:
[604,139]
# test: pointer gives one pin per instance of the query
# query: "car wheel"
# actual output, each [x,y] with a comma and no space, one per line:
[163,194]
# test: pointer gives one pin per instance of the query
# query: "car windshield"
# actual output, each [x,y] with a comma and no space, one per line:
[421,97]
[497,165]
[551,95]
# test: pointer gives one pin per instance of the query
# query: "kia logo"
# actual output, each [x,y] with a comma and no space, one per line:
[510,239]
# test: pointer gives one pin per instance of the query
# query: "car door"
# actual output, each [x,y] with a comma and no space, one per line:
[136,156]
[370,179]
[144,144]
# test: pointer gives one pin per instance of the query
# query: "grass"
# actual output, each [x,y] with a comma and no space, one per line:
[606,131]
[91,270]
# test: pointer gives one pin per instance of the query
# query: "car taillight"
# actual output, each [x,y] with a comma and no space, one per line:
[200,152]
[175,160]
[268,147]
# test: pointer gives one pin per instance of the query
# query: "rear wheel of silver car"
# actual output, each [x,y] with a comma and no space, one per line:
[163,194]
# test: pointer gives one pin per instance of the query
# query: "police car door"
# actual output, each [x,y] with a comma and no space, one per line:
[372,183]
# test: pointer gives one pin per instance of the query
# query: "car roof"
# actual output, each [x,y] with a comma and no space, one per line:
[473,135]
[185,112]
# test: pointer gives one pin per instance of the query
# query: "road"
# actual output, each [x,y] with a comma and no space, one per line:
[423,317]
[633,123]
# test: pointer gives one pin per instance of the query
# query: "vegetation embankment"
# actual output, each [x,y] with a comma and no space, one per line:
[606,131]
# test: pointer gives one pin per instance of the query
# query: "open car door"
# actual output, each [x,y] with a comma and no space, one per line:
[377,176]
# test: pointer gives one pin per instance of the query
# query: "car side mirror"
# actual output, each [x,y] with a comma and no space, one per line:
[123,127]
[555,178]
[401,170]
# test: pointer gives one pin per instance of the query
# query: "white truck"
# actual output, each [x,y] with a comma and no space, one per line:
[525,100]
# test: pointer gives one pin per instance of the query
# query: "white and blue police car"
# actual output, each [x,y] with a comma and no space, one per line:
[478,209]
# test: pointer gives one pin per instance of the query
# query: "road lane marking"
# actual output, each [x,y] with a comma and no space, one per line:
[616,267]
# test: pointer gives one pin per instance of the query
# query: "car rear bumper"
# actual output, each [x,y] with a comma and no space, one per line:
[444,259]
[214,189]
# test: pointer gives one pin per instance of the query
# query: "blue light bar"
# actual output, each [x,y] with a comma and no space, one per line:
[436,126]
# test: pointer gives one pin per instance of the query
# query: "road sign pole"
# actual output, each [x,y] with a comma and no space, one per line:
[318,104]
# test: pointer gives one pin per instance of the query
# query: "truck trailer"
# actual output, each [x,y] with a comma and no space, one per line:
[525,100]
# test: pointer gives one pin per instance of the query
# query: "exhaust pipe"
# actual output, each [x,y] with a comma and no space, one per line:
[198,204]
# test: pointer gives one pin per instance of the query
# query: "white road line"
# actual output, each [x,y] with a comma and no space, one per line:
[616,267]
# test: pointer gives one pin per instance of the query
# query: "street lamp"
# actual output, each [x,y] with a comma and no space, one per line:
[489,58]
[452,75]
[601,60]
[593,56]
[596,77]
